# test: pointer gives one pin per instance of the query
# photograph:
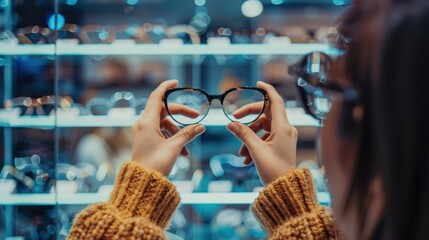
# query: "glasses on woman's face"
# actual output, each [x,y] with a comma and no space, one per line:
[316,88]
[190,105]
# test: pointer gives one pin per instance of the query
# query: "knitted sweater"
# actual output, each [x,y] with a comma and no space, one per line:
[143,201]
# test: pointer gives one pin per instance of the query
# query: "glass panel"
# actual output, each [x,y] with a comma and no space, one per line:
[27,95]
[110,56]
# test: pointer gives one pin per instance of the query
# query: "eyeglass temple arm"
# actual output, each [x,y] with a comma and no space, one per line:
[27,181]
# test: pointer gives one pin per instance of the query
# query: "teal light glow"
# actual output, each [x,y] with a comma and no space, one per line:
[200,2]
[59,24]
[4,3]
[339,2]
[277,2]
[71,2]
[132,2]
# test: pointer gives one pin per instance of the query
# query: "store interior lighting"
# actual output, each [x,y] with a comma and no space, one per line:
[252,8]
[339,2]
[200,3]
[132,2]
[71,2]
[277,2]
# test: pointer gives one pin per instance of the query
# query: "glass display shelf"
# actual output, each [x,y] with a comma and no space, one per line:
[216,117]
[157,49]
[89,198]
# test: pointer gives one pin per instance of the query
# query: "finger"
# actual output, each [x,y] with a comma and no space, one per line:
[181,109]
[154,104]
[267,111]
[245,134]
[169,126]
[172,129]
[186,135]
[262,123]
[243,149]
[251,108]
[277,106]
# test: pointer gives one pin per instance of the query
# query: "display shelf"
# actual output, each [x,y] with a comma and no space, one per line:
[216,117]
[90,198]
[156,49]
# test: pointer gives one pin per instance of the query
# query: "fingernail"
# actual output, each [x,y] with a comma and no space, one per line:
[233,127]
[199,129]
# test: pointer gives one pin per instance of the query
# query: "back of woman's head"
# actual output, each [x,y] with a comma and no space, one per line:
[388,61]
[400,118]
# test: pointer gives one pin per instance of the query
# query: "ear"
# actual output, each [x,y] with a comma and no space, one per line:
[358,113]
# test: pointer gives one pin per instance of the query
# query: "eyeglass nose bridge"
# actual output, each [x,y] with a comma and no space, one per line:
[213,97]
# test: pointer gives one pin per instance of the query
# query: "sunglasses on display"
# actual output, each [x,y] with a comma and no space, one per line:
[230,167]
[34,177]
[147,33]
[235,223]
[316,88]
[155,33]
[45,105]
[37,106]
[103,106]
[30,178]
[196,103]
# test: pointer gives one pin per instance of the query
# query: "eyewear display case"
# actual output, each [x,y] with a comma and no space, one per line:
[76,74]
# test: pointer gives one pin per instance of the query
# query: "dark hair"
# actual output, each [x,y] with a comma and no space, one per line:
[388,61]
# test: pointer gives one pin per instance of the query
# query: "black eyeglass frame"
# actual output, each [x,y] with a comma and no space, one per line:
[210,98]
[298,70]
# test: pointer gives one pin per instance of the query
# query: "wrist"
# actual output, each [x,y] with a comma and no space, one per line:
[155,165]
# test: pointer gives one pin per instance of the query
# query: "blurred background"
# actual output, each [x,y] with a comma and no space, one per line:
[75,74]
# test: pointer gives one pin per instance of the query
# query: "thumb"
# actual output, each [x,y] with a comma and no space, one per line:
[186,135]
[245,134]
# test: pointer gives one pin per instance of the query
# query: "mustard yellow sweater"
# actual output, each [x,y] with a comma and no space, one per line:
[143,201]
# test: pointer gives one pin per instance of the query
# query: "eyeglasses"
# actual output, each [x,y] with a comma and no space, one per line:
[315,86]
[230,167]
[235,223]
[147,33]
[119,100]
[197,103]
[35,35]
[38,106]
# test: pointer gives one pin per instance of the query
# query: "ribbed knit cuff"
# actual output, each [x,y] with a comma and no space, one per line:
[287,197]
[142,192]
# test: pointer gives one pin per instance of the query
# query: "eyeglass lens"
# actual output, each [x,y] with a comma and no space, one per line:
[238,99]
[317,101]
[194,100]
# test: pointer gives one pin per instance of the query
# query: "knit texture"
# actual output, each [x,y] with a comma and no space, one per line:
[288,209]
[140,207]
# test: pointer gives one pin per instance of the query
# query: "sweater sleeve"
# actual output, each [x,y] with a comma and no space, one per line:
[288,209]
[140,207]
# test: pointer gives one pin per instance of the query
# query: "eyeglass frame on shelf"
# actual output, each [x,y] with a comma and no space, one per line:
[210,98]
[35,105]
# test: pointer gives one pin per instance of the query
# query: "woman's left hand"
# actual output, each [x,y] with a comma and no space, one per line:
[150,147]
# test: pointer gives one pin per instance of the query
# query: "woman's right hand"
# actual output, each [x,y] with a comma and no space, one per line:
[150,147]
[274,154]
